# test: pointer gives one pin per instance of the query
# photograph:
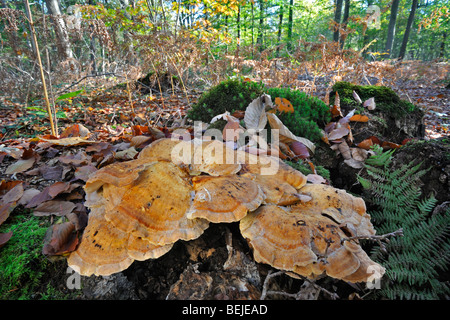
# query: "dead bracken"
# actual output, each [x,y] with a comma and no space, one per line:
[140,208]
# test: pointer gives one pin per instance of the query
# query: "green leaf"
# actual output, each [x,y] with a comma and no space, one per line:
[70,95]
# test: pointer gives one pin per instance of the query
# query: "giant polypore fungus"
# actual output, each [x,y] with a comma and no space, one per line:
[174,189]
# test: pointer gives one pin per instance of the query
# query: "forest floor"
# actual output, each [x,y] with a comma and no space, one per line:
[110,118]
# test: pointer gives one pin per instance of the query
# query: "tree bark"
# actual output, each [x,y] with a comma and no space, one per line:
[337,19]
[280,25]
[259,40]
[290,23]
[64,47]
[408,29]
[345,21]
[391,28]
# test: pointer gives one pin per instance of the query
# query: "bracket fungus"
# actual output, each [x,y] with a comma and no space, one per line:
[224,198]
[175,189]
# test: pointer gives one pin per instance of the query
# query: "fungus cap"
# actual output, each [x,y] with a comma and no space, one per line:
[303,241]
[224,198]
[154,207]
[103,248]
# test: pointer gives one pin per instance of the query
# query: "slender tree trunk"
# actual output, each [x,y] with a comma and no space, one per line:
[60,29]
[442,50]
[408,29]
[261,24]
[391,28]
[280,26]
[290,24]
[344,22]
[238,22]
[337,19]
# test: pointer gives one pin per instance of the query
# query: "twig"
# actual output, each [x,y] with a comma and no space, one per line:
[47,102]
[88,76]
[297,295]
[399,232]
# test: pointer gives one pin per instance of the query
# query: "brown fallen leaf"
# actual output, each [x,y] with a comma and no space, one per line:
[359,118]
[57,188]
[338,133]
[73,141]
[54,207]
[83,173]
[20,165]
[76,130]
[60,239]
[5,210]
[300,150]
[13,195]
[370,103]
[4,238]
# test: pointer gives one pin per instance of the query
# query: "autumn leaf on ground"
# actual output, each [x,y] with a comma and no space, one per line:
[20,165]
[356,97]
[76,130]
[60,239]
[359,118]
[4,238]
[286,135]
[73,141]
[370,104]
[284,105]
[54,207]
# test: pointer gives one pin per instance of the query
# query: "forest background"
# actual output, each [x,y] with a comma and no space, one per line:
[85,43]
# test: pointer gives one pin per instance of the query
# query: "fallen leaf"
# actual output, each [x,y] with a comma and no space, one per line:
[345,150]
[20,165]
[28,195]
[336,111]
[73,141]
[83,173]
[5,210]
[359,118]
[354,163]
[299,149]
[51,172]
[356,97]
[338,133]
[315,178]
[370,103]
[60,239]
[14,194]
[4,238]
[359,154]
[390,145]
[76,130]
[255,115]
[54,207]
[284,105]
[231,130]
[127,154]
[365,144]
[285,135]
[57,188]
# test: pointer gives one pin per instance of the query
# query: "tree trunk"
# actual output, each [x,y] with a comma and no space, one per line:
[238,22]
[60,29]
[408,29]
[259,40]
[442,50]
[344,22]
[280,25]
[391,28]
[290,23]
[337,19]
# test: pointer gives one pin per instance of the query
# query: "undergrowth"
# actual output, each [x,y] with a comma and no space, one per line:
[25,271]
[416,261]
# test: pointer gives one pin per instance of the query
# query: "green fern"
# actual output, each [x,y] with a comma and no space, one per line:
[413,261]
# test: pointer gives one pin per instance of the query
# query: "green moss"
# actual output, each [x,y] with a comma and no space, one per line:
[22,264]
[385,98]
[235,94]
[309,113]
[306,169]
[229,95]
